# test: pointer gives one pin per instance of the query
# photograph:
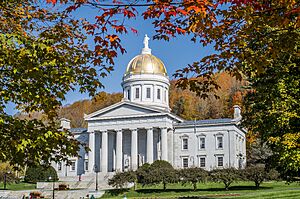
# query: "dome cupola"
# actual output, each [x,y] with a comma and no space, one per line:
[145,80]
[146,63]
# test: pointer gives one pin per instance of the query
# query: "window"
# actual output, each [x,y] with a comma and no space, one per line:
[185,162]
[137,93]
[128,94]
[59,166]
[73,166]
[185,143]
[202,143]
[165,96]
[220,142]
[86,165]
[148,93]
[202,161]
[220,161]
[158,93]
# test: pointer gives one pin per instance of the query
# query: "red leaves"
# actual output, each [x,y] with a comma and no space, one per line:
[134,30]
[120,28]
[181,11]
[51,1]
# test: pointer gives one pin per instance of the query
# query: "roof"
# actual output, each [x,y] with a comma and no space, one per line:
[125,102]
[207,122]
[78,130]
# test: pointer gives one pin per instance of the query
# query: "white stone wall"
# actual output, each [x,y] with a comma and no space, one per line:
[231,147]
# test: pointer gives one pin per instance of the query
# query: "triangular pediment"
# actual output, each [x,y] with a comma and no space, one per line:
[122,109]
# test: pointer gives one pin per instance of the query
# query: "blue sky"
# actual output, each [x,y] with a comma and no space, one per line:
[176,53]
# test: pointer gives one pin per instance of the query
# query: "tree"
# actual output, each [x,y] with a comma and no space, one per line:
[258,152]
[40,173]
[256,173]
[193,175]
[143,174]
[227,176]
[162,172]
[6,171]
[273,110]
[43,56]
[121,179]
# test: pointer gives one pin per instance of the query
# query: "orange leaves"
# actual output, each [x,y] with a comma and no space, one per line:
[113,38]
[196,9]
[180,30]
[181,11]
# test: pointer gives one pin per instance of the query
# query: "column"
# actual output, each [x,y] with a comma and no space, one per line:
[91,153]
[150,146]
[134,149]
[104,150]
[171,145]
[164,144]
[119,151]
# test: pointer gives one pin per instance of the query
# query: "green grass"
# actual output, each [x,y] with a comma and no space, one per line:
[210,190]
[18,186]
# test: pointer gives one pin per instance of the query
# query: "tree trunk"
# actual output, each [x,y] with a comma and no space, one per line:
[195,186]
[165,185]
[257,184]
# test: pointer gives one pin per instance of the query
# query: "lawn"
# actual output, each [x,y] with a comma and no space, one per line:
[210,190]
[18,186]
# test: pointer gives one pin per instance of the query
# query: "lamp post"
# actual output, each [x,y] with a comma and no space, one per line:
[53,185]
[5,179]
[96,171]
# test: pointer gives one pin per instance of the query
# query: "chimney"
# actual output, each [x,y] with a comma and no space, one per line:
[237,112]
[65,123]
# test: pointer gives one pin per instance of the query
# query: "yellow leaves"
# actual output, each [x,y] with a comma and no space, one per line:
[288,146]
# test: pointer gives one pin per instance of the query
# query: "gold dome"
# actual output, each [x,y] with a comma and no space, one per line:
[146,64]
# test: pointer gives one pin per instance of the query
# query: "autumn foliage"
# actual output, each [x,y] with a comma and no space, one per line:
[45,54]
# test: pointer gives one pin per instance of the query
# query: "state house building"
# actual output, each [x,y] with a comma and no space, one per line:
[142,129]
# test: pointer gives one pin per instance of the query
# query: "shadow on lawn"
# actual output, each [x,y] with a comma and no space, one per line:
[116,192]
[233,188]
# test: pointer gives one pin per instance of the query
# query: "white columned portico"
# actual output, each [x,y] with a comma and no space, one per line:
[104,147]
[150,145]
[164,144]
[119,151]
[92,151]
[134,149]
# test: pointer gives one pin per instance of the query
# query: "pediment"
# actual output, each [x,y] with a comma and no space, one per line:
[122,109]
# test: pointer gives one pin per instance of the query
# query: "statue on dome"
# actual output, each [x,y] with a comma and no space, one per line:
[146,41]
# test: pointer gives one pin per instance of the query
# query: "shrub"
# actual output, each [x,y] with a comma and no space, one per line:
[257,174]
[227,176]
[119,180]
[273,174]
[142,174]
[6,170]
[63,187]
[162,172]
[193,176]
[40,173]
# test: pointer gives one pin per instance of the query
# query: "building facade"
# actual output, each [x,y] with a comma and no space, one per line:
[141,128]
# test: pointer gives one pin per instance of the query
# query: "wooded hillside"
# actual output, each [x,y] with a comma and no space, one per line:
[183,103]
